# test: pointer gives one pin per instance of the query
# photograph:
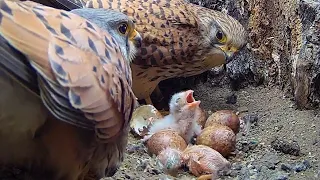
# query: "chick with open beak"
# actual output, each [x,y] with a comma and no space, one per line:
[184,113]
[179,100]
[187,119]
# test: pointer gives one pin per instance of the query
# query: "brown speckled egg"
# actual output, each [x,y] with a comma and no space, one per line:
[225,117]
[219,137]
[163,139]
[202,120]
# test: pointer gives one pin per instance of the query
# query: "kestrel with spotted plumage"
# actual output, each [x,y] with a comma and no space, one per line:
[66,96]
[180,39]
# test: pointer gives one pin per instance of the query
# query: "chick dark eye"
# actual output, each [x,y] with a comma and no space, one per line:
[123,28]
[219,35]
[177,100]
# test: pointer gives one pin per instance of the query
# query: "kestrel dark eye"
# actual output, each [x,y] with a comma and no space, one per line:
[219,35]
[123,28]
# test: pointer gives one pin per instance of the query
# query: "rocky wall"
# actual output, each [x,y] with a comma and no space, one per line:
[283,48]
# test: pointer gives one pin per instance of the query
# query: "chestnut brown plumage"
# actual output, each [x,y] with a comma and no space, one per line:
[66,97]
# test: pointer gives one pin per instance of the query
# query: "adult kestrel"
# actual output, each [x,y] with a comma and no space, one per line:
[66,97]
[180,39]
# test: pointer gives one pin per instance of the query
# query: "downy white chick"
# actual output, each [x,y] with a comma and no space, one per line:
[187,121]
[184,113]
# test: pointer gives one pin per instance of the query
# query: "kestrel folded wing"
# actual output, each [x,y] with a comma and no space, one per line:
[82,76]
[169,30]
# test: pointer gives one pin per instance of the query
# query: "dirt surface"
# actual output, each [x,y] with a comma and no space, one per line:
[272,116]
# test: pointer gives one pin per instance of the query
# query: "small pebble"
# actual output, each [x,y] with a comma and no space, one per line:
[127,176]
[232,99]
[246,146]
[271,166]
[237,166]
[282,177]
[307,163]
[142,163]
[278,128]
[286,147]
[315,142]
[286,167]
[155,171]
[302,166]
[263,169]
[250,166]
[135,148]
[250,118]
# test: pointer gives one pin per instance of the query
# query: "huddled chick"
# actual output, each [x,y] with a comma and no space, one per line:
[170,160]
[184,113]
[203,161]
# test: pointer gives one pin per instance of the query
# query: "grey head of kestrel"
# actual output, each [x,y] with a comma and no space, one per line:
[118,25]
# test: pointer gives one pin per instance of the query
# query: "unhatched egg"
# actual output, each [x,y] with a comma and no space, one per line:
[225,117]
[163,139]
[218,137]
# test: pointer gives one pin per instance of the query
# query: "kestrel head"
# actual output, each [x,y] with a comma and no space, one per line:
[223,34]
[119,26]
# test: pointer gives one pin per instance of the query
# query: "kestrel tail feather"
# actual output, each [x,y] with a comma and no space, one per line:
[62,4]
[71,4]
[59,106]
